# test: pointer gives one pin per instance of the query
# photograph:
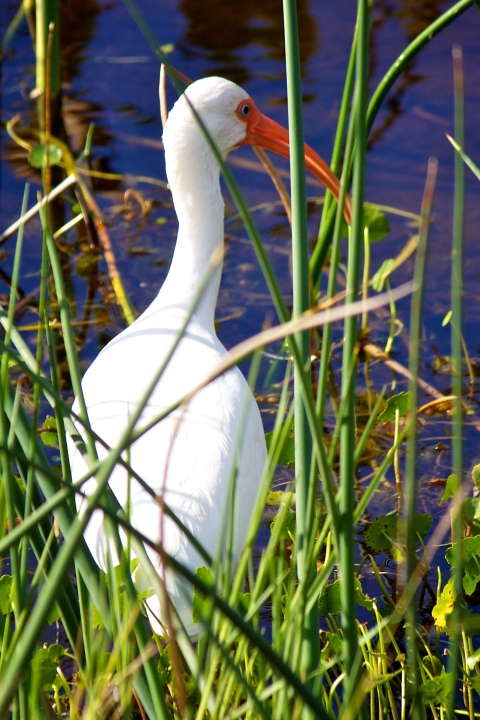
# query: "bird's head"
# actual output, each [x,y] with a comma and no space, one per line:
[232,119]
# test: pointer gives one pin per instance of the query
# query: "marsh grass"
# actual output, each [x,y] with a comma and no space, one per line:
[282,635]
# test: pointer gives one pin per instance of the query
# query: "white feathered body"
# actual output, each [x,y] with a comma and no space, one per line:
[190,456]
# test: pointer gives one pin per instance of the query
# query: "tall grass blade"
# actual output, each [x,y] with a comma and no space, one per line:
[410,493]
[301,302]
[346,550]
[457,354]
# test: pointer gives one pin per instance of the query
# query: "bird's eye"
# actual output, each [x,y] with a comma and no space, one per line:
[245,110]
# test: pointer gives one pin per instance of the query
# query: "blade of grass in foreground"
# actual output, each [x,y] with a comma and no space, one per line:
[346,551]
[410,495]
[457,355]
[310,651]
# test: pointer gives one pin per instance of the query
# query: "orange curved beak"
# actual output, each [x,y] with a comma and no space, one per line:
[271,136]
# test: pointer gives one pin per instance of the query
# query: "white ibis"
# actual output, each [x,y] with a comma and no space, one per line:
[187,457]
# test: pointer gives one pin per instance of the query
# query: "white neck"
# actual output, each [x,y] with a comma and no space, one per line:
[193,176]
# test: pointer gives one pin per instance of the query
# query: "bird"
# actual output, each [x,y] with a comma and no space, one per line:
[189,458]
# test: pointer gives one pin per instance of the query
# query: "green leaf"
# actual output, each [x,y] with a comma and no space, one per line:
[53,615]
[38,155]
[287,453]
[164,669]
[423,523]
[470,582]
[381,532]
[437,689]
[476,476]
[201,604]
[45,664]
[48,432]
[329,601]
[470,507]
[49,439]
[470,560]
[400,402]
[376,222]
[288,523]
[444,605]
[56,651]
[387,528]
[333,647]
[451,488]
[360,597]
[5,593]
[280,498]
[382,274]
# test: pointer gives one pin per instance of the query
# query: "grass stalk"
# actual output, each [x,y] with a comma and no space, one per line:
[413,680]
[346,559]
[457,354]
[301,303]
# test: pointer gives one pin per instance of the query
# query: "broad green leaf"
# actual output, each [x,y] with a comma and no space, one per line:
[381,532]
[333,647]
[470,552]
[48,432]
[360,597]
[444,605]
[5,592]
[201,605]
[56,651]
[451,488]
[38,155]
[423,523]
[470,582]
[436,690]
[469,509]
[387,528]
[376,222]
[53,615]
[329,601]
[287,453]
[49,439]
[279,498]
[400,402]
[45,663]
[288,522]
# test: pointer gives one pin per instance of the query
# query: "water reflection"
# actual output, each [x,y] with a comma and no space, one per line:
[219,29]
[413,16]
